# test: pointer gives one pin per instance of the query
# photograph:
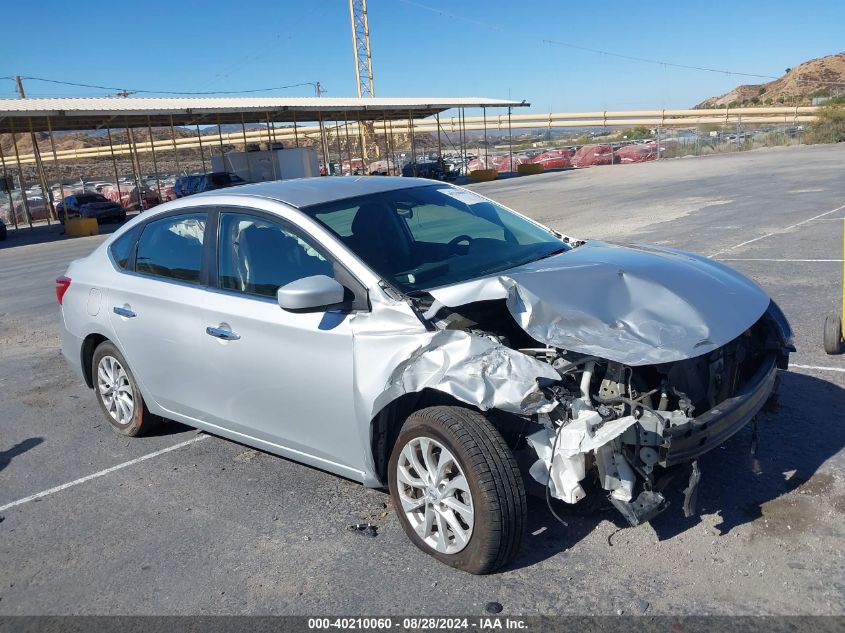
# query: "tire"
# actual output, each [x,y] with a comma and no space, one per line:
[126,412]
[494,528]
[833,334]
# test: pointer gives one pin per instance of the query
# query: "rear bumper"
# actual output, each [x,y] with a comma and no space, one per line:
[72,349]
[687,442]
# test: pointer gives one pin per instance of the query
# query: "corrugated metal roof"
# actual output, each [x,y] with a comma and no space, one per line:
[97,112]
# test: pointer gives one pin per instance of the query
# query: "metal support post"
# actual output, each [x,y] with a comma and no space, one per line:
[155,162]
[8,183]
[27,214]
[175,149]
[413,144]
[56,164]
[114,166]
[202,153]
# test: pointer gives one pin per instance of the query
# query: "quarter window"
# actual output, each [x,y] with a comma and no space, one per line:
[121,248]
[172,248]
[257,256]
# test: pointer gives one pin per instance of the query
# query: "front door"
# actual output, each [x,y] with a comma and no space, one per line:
[281,377]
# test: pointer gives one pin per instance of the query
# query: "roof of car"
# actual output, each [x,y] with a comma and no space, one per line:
[304,192]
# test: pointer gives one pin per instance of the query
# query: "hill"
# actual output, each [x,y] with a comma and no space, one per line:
[824,76]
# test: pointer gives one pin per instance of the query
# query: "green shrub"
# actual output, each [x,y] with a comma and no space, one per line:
[829,126]
[635,133]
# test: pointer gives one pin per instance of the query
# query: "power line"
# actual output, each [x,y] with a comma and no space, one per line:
[587,48]
[165,92]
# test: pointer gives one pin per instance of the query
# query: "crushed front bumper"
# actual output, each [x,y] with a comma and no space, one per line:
[687,442]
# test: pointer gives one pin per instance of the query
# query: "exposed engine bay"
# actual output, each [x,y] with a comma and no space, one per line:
[631,428]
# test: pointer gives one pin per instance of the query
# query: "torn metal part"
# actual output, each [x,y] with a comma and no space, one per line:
[645,507]
[635,305]
[474,369]
[691,491]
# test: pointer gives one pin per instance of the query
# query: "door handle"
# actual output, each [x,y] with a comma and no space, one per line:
[124,312]
[226,335]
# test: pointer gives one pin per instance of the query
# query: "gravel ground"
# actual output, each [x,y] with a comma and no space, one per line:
[215,527]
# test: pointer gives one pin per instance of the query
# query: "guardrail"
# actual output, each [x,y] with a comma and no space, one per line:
[498,122]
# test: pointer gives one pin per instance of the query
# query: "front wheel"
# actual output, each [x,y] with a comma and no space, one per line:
[457,489]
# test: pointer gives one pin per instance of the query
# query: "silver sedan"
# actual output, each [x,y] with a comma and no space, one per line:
[419,336]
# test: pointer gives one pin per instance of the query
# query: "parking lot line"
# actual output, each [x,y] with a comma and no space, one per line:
[112,469]
[784,230]
[816,367]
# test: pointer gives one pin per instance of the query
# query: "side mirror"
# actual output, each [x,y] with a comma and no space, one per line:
[310,294]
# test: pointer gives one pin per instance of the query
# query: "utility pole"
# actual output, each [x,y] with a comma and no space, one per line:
[45,190]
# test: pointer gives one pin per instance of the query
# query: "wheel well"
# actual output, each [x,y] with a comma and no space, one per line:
[385,427]
[88,346]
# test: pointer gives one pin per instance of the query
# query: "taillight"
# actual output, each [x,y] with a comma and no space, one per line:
[62,284]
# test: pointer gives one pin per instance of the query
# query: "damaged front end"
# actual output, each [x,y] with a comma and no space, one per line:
[637,427]
[628,401]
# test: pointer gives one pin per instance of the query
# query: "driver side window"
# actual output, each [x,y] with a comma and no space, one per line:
[256,256]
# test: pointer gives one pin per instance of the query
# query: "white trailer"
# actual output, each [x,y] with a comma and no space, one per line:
[277,164]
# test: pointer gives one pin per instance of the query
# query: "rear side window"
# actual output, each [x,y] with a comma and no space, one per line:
[171,248]
[121,248]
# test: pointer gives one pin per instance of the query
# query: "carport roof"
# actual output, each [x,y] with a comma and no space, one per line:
[17,115]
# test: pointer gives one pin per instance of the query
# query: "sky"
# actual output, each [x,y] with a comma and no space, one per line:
[531,50]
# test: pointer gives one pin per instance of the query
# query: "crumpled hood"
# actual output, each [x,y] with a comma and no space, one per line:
[637,305]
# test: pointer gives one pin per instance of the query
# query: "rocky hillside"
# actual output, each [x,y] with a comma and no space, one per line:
[816,77]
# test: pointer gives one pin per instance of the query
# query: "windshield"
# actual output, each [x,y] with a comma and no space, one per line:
[425,237]
[91,197]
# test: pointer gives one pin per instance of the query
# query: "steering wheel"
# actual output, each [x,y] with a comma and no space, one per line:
[453,243]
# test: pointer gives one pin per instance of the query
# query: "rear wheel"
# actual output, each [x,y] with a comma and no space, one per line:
[457,489]
[118,393]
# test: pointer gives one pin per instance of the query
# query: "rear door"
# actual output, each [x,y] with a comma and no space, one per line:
[154,309]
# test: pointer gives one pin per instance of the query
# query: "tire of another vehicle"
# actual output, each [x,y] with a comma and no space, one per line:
[833,334]
[140,420]
[494,482]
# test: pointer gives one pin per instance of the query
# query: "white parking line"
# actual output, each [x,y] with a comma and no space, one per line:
[763,259]
[816,367]
[82,480]
[788,228]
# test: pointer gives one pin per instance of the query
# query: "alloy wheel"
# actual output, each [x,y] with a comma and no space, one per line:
[115,390]
[435,495]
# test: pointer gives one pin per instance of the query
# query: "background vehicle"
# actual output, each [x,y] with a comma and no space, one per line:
[184,185]
[200,183]
[2,230]
[431,169]
[425,334]
[90,205]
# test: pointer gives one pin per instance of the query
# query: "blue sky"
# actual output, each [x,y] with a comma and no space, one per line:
[488,48]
